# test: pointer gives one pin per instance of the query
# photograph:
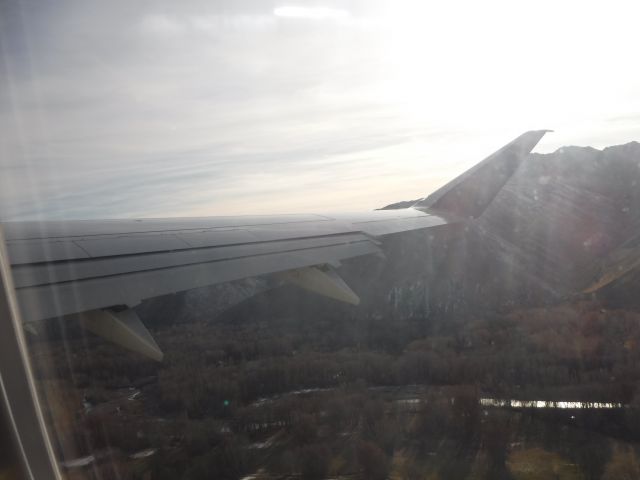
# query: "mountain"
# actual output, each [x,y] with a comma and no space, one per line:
[549,233]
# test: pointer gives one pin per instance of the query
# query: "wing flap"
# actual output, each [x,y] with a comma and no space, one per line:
[39,251]
[59,299]
[43,274]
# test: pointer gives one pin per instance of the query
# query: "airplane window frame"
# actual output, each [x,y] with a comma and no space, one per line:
[19,395]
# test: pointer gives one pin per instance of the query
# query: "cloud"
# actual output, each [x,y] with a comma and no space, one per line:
[118,109]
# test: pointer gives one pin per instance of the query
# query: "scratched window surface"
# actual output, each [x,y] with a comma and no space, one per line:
[258,239]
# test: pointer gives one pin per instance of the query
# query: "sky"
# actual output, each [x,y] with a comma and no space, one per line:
[126,109]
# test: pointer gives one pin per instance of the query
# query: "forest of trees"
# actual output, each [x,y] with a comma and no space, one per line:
[366,397]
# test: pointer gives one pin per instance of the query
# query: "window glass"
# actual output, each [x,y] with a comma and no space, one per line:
[231,263]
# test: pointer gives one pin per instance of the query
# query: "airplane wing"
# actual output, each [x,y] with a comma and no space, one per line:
[101,269]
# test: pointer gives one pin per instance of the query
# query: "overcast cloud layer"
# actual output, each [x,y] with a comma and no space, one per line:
[109,109]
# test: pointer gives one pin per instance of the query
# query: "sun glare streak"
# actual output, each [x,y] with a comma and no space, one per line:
[478,68]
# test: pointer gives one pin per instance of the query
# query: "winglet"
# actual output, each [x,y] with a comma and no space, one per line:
[469,194]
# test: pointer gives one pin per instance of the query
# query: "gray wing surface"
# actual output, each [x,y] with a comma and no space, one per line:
[73,267]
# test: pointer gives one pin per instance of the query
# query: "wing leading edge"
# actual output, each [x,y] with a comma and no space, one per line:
[101,268]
